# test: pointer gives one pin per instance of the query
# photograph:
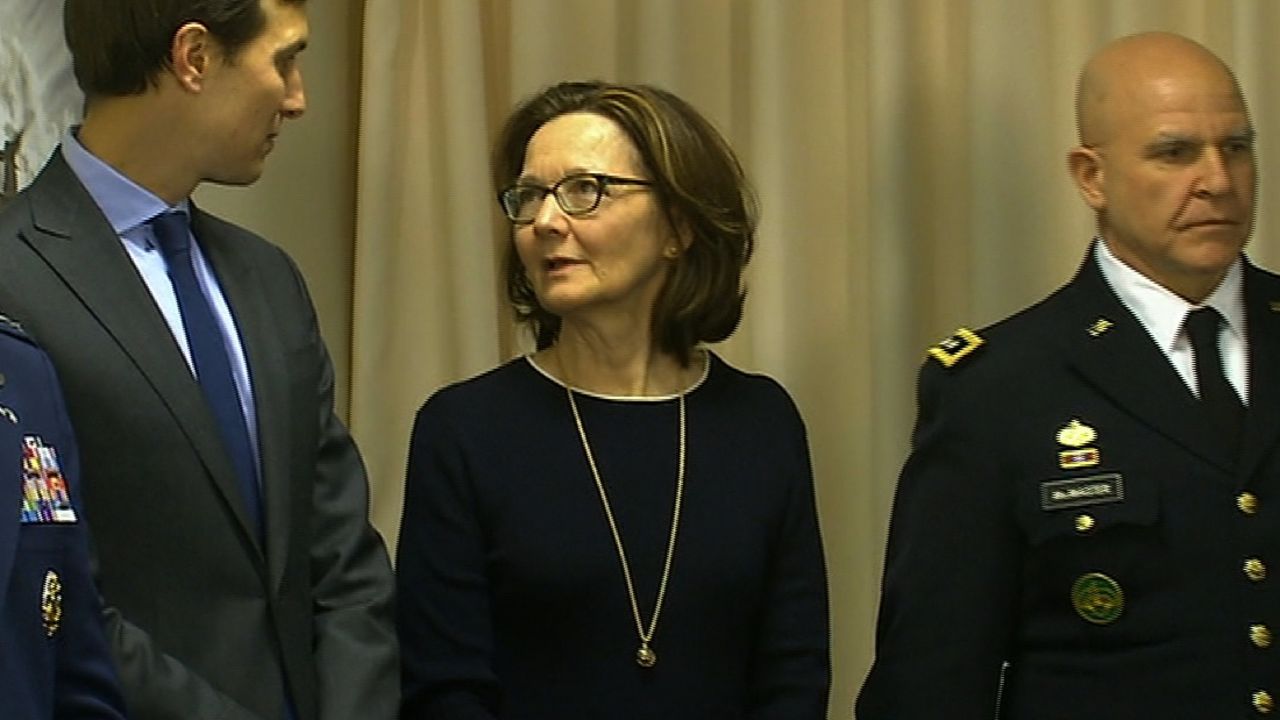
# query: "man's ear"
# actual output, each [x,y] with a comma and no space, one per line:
[191,55]
[1085,165]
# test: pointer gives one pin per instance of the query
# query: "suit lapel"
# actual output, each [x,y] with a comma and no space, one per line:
[1125,364]
[75,240]
[1262,421]
[242,288]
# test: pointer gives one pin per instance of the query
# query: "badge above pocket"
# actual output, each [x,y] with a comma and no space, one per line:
[1076,438]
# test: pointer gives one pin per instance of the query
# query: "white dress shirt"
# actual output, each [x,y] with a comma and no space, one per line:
[1164,313]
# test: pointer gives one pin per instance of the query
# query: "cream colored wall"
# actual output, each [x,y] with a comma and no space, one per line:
[305,202]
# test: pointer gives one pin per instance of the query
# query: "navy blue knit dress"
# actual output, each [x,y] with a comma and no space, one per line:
[511,598]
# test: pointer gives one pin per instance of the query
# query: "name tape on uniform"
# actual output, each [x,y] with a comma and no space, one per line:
[1081,492]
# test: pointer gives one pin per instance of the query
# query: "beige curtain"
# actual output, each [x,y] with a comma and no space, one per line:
[910,159]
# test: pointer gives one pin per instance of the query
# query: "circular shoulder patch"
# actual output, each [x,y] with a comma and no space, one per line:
[1097,598]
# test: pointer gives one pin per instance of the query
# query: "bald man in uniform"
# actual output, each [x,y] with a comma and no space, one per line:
[1087,520]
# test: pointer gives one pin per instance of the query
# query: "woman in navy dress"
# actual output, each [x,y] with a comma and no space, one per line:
[619,524]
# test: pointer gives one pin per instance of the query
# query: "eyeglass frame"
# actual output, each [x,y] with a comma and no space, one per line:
[603,180]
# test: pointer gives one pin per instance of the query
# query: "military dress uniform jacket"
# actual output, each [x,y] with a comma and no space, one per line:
[1068,541]
[205,622]
[54,658]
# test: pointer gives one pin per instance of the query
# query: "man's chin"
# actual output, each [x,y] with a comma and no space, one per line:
[236,179]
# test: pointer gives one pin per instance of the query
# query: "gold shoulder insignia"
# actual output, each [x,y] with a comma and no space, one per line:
[955,348]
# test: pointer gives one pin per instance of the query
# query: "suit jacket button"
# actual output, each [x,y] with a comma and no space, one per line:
[1262,702]
[1255,570]
[1247,502]
[1084,522]
[1260,635]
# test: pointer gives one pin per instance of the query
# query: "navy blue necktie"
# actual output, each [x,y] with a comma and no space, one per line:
[209,354]
[1218,398]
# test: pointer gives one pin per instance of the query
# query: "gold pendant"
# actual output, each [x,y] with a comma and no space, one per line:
[646,657]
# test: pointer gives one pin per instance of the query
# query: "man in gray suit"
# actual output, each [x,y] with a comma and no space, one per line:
[242,577]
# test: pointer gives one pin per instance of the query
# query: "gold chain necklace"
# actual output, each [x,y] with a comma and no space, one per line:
[645,656]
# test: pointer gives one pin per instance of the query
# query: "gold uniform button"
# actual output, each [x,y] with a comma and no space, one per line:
[1084,522]
[1262,702]
[1260,635]
[1255,570]
[1247,502]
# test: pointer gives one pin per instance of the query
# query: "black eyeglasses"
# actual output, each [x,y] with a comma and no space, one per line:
[576,194]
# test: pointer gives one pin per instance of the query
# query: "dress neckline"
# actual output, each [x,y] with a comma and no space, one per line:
[706,371]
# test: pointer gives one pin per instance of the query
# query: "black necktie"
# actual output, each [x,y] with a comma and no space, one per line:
[1221,404]
[209,355]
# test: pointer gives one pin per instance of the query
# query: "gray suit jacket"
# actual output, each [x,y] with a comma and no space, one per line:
[202,619]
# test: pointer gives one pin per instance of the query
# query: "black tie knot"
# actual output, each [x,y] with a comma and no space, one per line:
[1203,325]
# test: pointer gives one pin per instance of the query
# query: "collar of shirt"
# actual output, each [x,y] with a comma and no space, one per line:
[128,208]
[1161,311]
[127,205]
[1163,314]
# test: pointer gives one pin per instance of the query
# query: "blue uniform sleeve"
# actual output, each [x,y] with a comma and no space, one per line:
[86,686]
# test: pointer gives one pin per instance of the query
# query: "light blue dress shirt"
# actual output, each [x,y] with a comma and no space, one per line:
[129,208]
